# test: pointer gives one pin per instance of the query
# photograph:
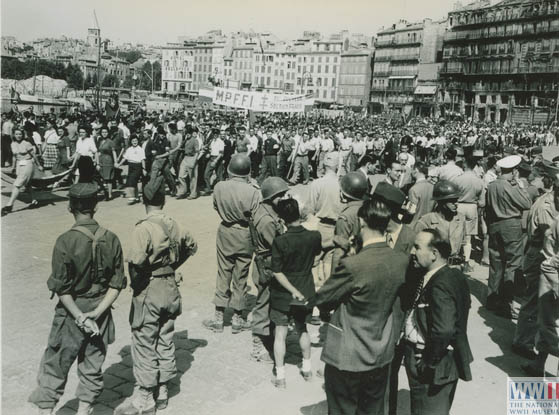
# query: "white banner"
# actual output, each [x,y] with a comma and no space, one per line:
[259,101]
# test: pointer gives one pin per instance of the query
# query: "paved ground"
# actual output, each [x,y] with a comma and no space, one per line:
[216,375]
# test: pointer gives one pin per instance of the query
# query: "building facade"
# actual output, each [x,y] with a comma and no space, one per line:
[399,50]
[355,77]
[501,62]
[177,69]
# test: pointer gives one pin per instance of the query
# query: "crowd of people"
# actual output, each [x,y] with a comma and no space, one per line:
[378,244]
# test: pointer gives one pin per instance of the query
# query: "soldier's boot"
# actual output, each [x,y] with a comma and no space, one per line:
[259,352]
[215,325]
[162,397]
[239,324]
[141,403]
[84,408]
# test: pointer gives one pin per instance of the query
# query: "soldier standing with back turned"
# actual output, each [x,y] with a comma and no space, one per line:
[232,199]
[87,276]
[159,247]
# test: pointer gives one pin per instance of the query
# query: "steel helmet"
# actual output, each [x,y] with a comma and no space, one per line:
[239,165]
[273,186]
[446,190]
[354,186]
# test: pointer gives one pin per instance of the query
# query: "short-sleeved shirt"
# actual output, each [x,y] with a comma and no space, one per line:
[191,147]
[217,147]
[22,150]
[234,197]
[449,172]
[72,263]
[134,154]
[293,255]
[506,201]
[86,147]
[473,188]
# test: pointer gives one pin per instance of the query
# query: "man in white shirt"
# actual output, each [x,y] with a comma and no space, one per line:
[345,147]
[217,148]
[326,147]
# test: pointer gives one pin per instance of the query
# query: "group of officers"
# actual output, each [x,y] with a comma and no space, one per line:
[390,277]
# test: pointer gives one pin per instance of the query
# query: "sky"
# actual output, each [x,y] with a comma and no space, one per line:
[160,21]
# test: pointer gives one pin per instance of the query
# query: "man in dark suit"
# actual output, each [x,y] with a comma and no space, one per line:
[436,348]
[365,325]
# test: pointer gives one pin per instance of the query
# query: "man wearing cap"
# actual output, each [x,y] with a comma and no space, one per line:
[233,199]
[541,216]
[505,202]
[446,219]
[158,248]
[87,276]
[353,190]
[325,205]
[264,227]
[472,197]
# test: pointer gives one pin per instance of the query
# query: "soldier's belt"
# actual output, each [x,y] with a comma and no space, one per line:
[242,223]
[162,272]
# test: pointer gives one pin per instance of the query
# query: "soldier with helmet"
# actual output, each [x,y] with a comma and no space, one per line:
[353,190]
[232,199]
[264,227]
[446,219]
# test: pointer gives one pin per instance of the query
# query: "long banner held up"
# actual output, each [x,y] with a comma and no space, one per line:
[259,101]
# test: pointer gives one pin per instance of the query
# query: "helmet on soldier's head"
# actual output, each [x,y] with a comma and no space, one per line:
[239,165]
[354,186]
[446,190]
[272,187]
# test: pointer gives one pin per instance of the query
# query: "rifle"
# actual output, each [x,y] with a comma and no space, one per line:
[263,276]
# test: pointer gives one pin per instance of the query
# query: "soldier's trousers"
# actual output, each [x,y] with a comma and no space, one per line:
[506,247]
[67,343]
[233,262]
[261,310]
[152,320]
[527,326]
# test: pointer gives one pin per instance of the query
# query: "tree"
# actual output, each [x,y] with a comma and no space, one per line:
[74,77]
[110,80]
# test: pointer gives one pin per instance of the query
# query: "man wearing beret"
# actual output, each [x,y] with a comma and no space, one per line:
[159,247]
[87,276]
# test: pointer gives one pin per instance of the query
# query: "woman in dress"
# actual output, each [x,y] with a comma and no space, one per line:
[63,161]
[23,159]
[107,160]
[136,159]
[49,148]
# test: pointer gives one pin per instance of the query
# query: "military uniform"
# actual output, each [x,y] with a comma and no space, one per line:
[505,203]
[454,231]
[85,271]
[268,225]
[541,216]
[232,199]
[159,246]
[347,226]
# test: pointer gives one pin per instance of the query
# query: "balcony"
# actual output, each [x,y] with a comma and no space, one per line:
[528,69]
[378,88]
[451,70]
[403,73]
[381,74]
[413,57]
[382,58]
[395,43]
[518,15]
[527,31]
[400,89]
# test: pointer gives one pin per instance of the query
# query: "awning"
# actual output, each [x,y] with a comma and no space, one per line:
[425,90]
[401,77]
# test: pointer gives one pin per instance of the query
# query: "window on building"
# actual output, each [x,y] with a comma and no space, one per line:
[324,93]
[319,69]
[333,94]
[326,68]
[268,81]
[334,69]
[482,99]
[333,82]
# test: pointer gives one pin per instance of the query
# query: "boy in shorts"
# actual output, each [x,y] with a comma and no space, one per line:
[293,255]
